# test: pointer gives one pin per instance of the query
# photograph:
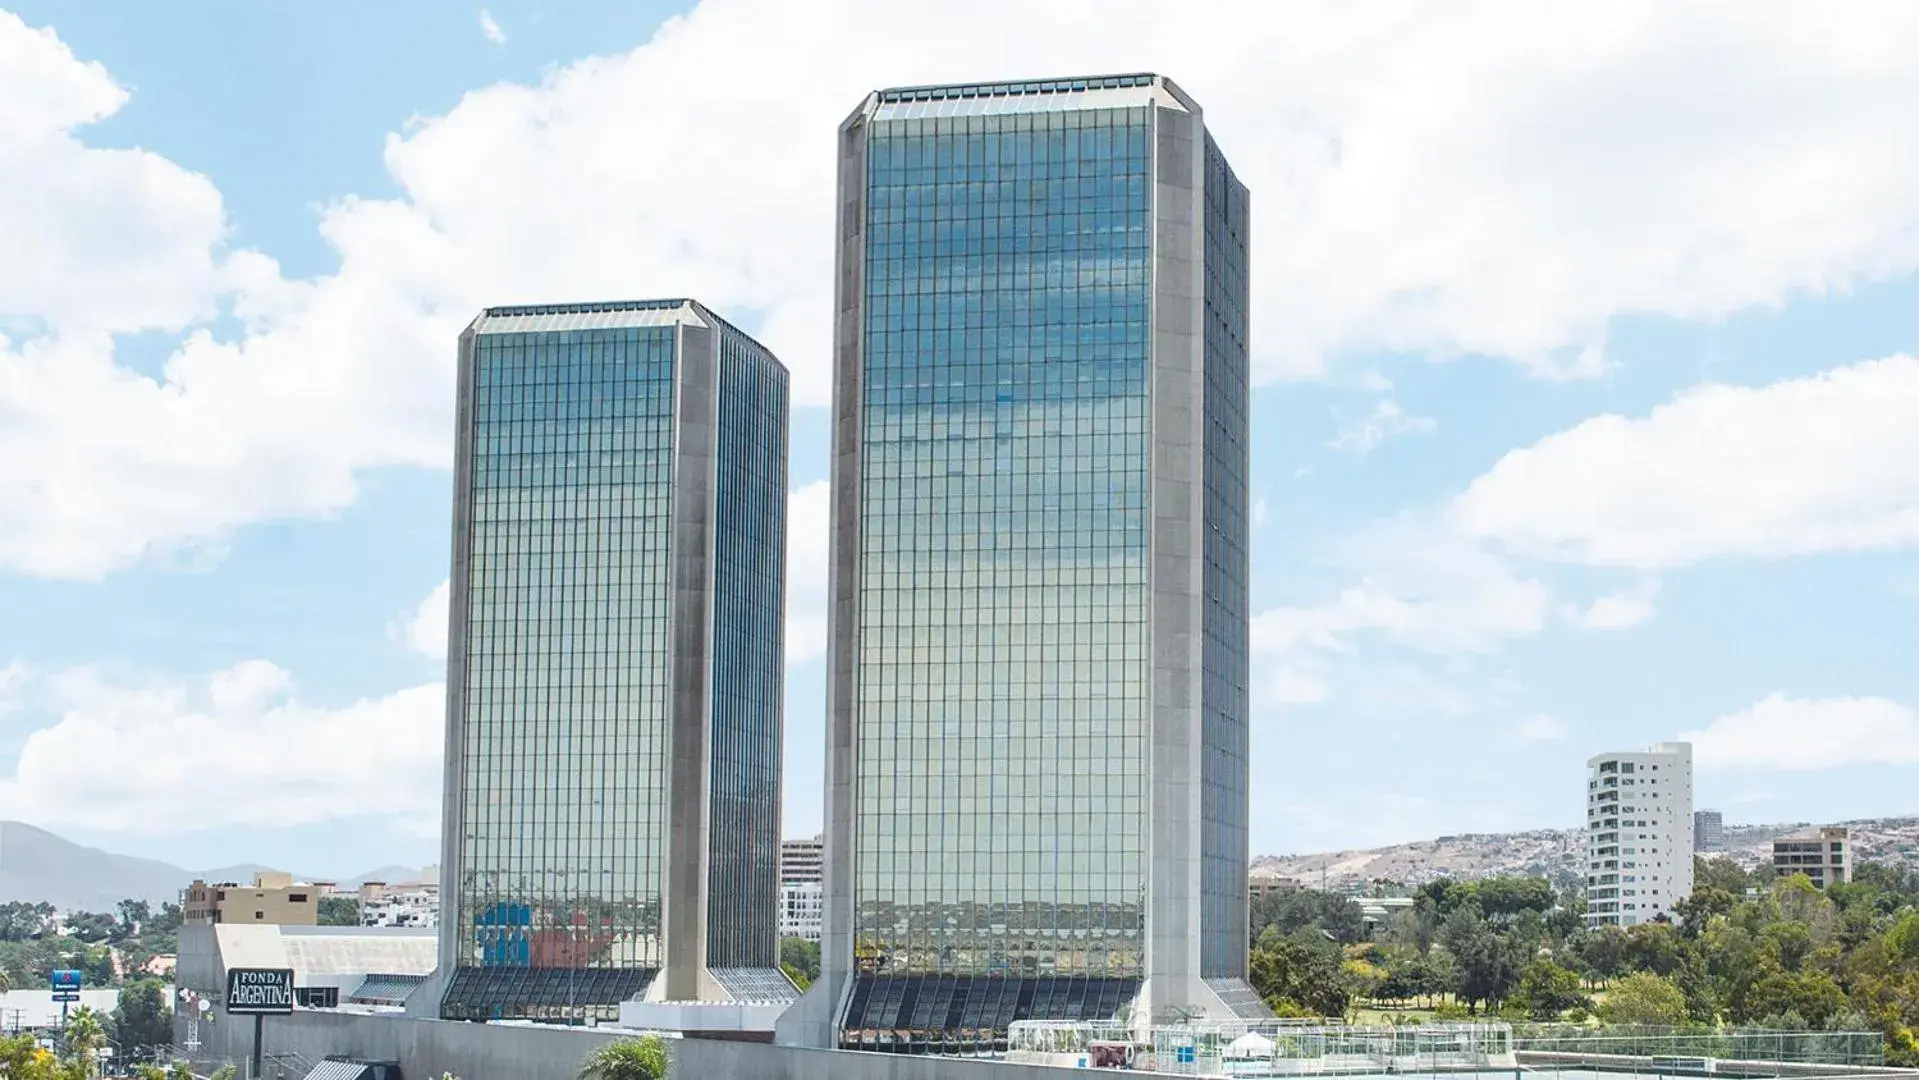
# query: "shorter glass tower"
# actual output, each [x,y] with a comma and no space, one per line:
[614,664]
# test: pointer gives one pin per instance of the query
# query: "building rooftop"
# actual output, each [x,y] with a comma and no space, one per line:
[607,315]
[330,950]
[1028,96]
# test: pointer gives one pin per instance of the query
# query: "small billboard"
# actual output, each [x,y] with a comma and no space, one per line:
[259,991]
[66,985]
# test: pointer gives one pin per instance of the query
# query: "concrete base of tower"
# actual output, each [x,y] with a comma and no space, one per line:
[1162,1002]
[814,1020]
[424,1002]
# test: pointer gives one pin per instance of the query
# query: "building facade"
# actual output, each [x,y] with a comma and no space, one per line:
[1037,716]
[274,899]
[1639,839]
[803,860]
[802,888]
[615,663]
[1708,830]
[411,904]
[1821,854]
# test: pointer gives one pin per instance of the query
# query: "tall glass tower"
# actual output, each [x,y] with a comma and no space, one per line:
[614,665]
[1037,773]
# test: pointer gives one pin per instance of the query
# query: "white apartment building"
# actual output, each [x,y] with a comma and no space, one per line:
[802,888]
[1639,834]
[411,904]
[802,909]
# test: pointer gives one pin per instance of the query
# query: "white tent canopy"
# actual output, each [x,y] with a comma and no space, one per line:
[1250,1045]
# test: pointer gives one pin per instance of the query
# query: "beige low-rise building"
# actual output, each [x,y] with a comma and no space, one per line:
[1820,854]
[274,899]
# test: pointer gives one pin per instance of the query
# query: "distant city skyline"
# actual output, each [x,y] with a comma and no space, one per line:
[1520,489]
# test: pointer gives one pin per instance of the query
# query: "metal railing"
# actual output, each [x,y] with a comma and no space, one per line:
[1845,1048]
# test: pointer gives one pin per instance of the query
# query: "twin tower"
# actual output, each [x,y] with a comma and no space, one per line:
[1036,725]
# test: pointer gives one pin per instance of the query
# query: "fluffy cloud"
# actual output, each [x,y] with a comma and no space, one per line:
[490,28]
[425,629]
[13,682]
[1492,178]
[1818,464]
[1801,734]
[806,572]
[136,758]
[1421,587]
[1541,728]
[1385,421]
[1619,610]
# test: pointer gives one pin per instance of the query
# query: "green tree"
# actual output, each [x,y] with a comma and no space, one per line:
[1644,998]
[1547,990]
[1486,965]
[83,1037]
[1811,996]
[800,959]
[21,921]
[91,927]
[1294,910]
[628,1059]
[1602,951]
[143,1021]
[338,911]
[1655,947]
[1902,941]
[1298,976]
[21,1058]
[1697,911]
[134,914]
[1504,897]
[1721,873]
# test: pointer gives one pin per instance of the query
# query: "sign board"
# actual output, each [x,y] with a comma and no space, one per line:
[259,991]
[66,985]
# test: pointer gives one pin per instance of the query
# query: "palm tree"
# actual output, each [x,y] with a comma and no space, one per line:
[628,1059]
[85,1035]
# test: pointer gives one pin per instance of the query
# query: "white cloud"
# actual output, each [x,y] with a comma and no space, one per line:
[1818,464]
[13,683]
[1385,421]
[425,629]
[1801,735]
[1421,587]
[1293,684]
[1619,610]
[806,572]
[490,27]
[1492,178]
[138,758]
[1541,728]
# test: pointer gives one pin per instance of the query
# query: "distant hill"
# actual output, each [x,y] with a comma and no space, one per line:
[385,875]
[1552,853]
[38,867]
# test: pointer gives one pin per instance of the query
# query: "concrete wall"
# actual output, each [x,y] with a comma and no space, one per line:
[1177,520]
[427,1049]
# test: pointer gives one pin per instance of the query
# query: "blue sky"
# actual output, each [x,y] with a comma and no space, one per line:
[1585,414]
